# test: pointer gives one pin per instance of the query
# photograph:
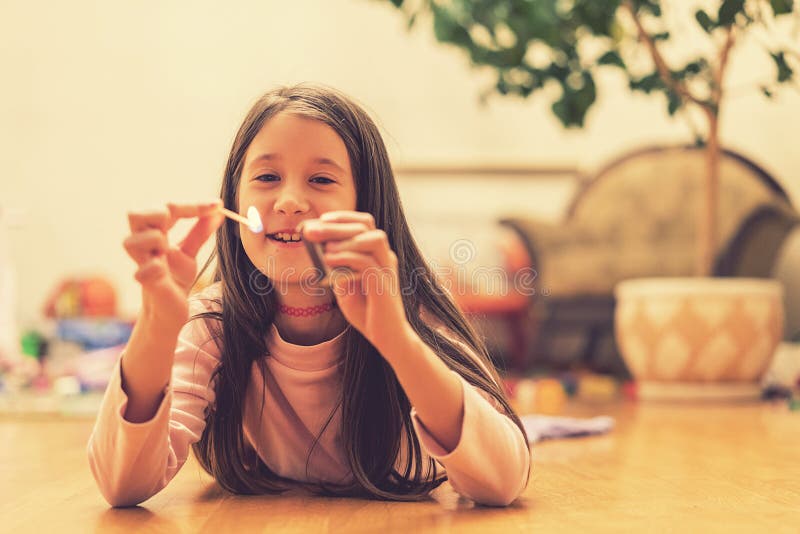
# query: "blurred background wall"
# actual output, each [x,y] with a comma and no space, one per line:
[113,106]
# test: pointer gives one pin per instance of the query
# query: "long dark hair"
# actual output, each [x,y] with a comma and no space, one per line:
[375,411]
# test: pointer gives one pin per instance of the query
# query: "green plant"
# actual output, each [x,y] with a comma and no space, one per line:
[531,44]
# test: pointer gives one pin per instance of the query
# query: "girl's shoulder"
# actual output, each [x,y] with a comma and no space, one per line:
[199,331]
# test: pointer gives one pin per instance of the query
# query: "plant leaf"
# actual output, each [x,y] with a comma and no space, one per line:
[674,102]
[692,68]
[728,11]
[647,84]
[782,7]
[653,6]
[611,57]
[411,20]
[704,19]
[571,108]
[785,72]
[448,30]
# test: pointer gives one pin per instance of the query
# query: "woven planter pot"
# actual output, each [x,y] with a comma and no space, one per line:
[695,338]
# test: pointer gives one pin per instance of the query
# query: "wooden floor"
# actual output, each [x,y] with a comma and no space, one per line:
[685,468]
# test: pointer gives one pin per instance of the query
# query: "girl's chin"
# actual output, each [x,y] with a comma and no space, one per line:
[292,275]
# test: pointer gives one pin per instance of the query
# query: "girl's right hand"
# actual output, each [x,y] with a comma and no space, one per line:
[166,273]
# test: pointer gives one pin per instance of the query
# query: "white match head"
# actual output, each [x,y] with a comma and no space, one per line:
[255,224]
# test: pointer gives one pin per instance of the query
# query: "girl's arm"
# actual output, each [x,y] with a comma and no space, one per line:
[134,450]
[165,273]
[484,452]
[132,460]
[460,426]
[146,366]
[434,390]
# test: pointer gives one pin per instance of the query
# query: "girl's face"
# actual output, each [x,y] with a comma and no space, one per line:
[295,169]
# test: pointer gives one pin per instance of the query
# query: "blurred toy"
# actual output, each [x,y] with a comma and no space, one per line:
[34,344]
[629,390]
[597,388]
[66,385]
[525,395]
[85,310]
[784,370]
[543,395]
[550,396]
[776,392]
[82,297]
[93,369]
[94,334]
[9,345]
[510,386]
[570,383]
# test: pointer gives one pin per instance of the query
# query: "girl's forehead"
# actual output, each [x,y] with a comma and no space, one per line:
[288,136]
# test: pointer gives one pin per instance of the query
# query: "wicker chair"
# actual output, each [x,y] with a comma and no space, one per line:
[636,218]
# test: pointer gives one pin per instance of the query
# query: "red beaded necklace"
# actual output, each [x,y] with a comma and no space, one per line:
[307,311]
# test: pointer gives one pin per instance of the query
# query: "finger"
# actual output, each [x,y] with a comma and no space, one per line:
[200,232]
[319,231]
[144,245]
[158,219]
[346,284]
[355,261]
[180,211]
[182,268]
[152,272]
[374,279]
[349,216]
[374,242]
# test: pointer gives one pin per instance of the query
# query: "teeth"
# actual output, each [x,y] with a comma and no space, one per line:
[283,236]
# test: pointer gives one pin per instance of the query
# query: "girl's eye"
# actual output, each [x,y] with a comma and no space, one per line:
[324,180]
[267,178]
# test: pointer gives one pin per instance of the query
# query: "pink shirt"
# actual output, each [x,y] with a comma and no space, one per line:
[131,462]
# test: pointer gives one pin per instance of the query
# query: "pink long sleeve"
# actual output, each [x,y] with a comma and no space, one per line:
[284,415]
[491,461]
[133,461]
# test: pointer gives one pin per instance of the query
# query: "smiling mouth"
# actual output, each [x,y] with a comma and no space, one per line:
[283,237]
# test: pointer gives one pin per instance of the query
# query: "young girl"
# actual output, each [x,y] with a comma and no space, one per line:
[375,386]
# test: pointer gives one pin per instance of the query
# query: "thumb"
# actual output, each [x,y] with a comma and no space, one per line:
[200,232]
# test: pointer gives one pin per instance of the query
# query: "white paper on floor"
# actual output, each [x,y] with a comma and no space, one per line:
[540,427]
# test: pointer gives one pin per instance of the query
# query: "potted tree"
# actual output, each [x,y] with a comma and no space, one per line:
[678,336]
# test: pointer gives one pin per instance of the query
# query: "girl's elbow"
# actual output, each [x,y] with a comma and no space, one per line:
[500,490]
[114,490]
[117,495]
[122,501]
[503,496]
[507,493]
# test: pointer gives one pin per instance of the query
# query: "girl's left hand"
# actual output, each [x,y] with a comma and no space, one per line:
[369,295]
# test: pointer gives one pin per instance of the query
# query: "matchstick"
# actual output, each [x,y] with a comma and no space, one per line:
[252,221]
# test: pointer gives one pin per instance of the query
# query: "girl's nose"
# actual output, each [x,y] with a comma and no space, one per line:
[289,202]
